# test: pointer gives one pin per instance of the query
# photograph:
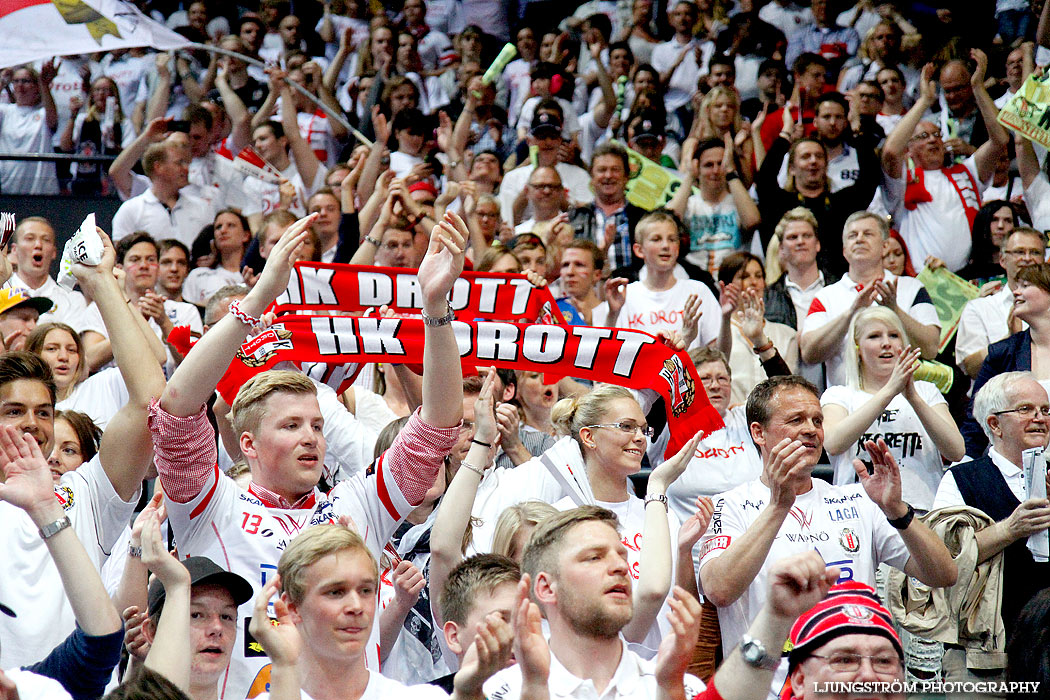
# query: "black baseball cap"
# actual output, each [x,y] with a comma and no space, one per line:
[648,128]
[546,123]
[203,571]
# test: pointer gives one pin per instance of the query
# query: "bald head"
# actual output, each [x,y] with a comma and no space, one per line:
[955,81]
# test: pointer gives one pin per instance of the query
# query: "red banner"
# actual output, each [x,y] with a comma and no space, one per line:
[354,289]
[628,358]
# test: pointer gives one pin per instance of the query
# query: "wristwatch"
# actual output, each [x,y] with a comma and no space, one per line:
[435,321]
[53,528]
[753,652]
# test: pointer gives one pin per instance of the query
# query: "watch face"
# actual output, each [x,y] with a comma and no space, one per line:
[751,651]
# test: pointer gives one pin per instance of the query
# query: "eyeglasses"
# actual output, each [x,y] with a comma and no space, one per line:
[850,663]
[925,136]
[1027,411]
[545,187]
[627,427]
[1025,253]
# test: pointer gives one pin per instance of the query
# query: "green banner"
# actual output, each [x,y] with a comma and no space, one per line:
[1028,111]
[949,293]
[649,184]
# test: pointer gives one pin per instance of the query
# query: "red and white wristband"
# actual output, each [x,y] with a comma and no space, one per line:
[246,319]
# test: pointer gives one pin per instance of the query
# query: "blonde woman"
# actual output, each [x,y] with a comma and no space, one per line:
[717,116]
[515,524]
[881,399]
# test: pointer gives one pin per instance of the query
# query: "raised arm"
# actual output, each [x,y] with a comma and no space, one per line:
[930,560]
[1027,163]
[28,486]
[939,424]
[305,160]
[195,379]
[48,71]
[796,584]
[442,372]
[895,150]
[843,428]
[453,516]
[988,154]
[818,344]
[120,168]
[169,653]
[655,558]
[126,449]
[725,578]
[241,131]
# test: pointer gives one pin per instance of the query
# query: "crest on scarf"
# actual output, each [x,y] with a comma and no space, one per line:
[683,389]
[258,351]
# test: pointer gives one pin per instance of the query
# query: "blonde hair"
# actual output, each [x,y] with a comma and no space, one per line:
[514,518]
[312,545]
[248,408]
[707,129]
[791,216]
[573,413]
[860,321]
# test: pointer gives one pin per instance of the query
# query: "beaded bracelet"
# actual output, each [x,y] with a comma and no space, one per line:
[235,311]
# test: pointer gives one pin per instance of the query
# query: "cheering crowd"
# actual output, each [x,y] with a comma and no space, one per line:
[799,263]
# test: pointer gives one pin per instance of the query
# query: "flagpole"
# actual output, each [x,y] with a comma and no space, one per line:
[296,86]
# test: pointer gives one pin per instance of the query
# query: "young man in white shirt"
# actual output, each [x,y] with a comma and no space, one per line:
[854,527]
[823,336]
[34,247]
[163,210]
[658,304]
[682,59]
[989,319]
[279,425]
[137,257]
[579,576]
[328,579]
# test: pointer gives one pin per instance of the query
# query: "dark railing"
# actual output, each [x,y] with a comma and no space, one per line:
[57,157]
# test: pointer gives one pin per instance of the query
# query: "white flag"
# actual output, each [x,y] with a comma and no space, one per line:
[40,29]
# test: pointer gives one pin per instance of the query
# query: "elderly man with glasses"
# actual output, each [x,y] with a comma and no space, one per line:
[931,202]
[1014,412]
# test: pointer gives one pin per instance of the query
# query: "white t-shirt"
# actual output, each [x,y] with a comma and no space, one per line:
[68,305]
[983,322]
[714,231]
[202,282]
[723,460]
[518,78]
[33,686]
[25,130]
[682,85]
[316,128]
[938,227]
[179,312]
[836,299]
[845,527]
[214,179]
[900,427]
[634,679]
[100,396]
[1037,199]
[655,311]
[31,585]
[382,688]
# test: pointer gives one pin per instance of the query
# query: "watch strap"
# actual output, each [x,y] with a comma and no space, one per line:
[433,322]
[53,528]
[904,521]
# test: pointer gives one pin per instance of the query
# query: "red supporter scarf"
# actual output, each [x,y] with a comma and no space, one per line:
[915,192]
[628,358]
[355,289]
